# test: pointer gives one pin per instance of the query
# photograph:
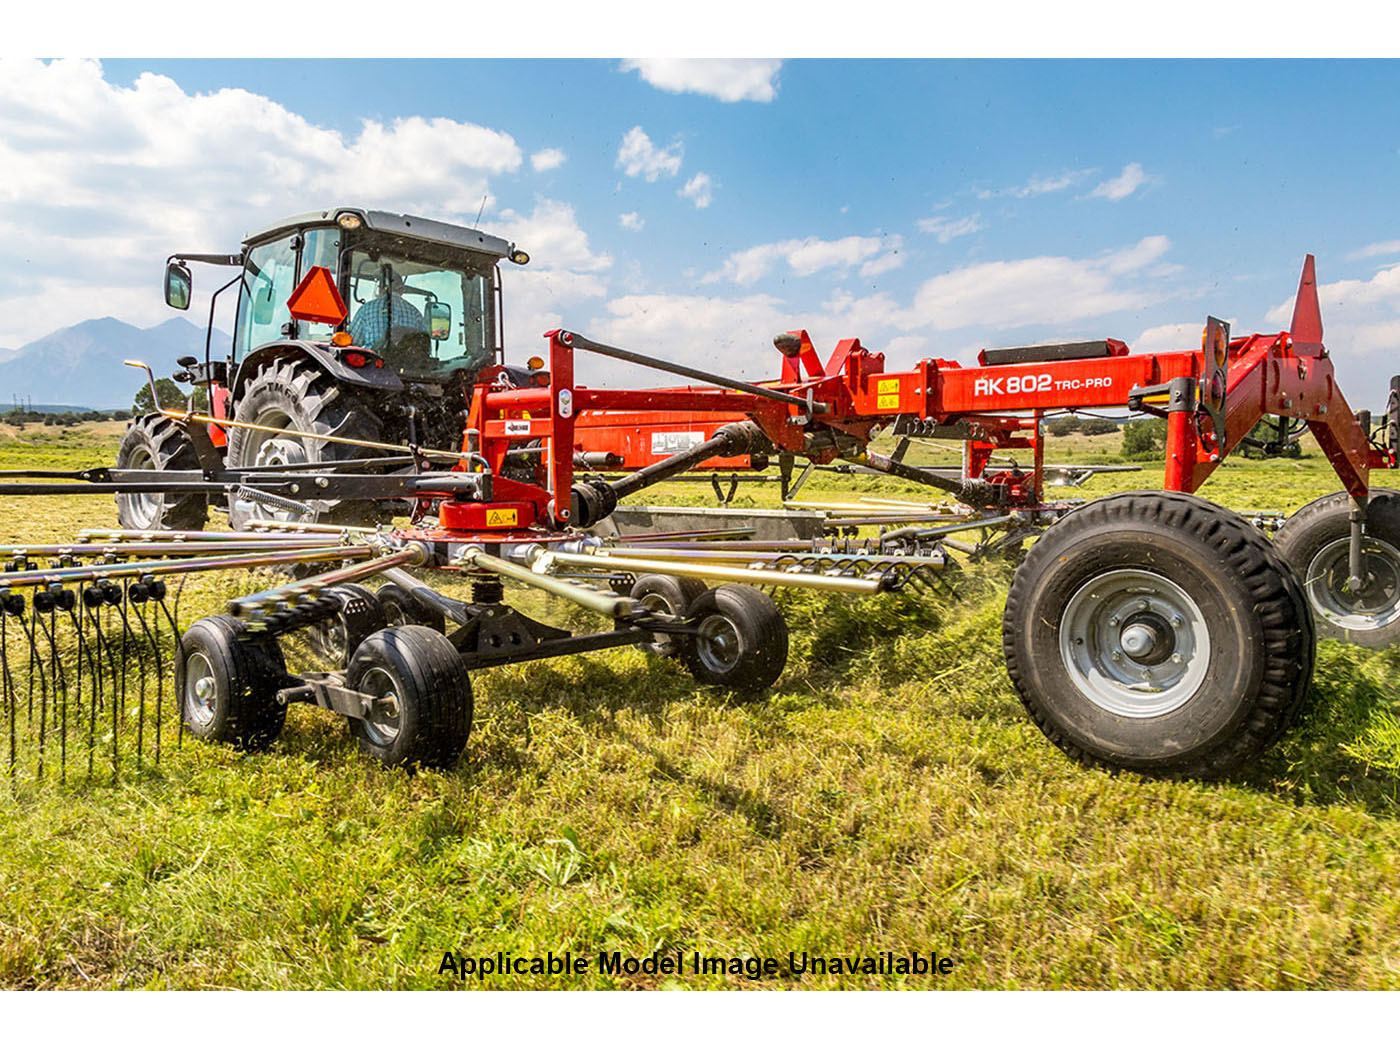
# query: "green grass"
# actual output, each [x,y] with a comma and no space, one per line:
[889,794]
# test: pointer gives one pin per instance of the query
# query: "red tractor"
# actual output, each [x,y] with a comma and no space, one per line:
[424,305]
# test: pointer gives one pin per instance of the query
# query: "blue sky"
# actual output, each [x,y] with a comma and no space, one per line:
[929,207]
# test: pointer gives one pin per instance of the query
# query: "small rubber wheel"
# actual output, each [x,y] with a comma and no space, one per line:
[423,708]
[1158,632]
[402,608]
[227,680]
[741,640]
[671,596]
[154,442]
[337,637]
[1316,541]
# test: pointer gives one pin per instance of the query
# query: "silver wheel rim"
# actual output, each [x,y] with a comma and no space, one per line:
[1376,605]
[200,689]
[664,644]
[717,644]
[1134,643]
[275,452]
[383,720]
[147,506]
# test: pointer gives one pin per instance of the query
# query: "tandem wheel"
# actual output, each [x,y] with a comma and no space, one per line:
[1160,633]
[227,680]
[1316,541]
[359,615]
[741,639]
[670,596]
[422,713]
[400,608]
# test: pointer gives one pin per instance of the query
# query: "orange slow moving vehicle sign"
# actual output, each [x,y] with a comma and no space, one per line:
[317,299]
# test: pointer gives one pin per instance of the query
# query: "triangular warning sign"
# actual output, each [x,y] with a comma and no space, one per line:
[317,299]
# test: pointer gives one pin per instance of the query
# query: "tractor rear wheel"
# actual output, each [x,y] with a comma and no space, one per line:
[422,713]
[156,443]
[1158,632]
[227,681]
[292,393]
[1316,541]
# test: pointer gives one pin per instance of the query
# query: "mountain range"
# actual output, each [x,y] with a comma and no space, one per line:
[82,364]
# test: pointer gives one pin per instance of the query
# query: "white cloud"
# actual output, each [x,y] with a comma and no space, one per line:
[639,156]
[117,178]
[553,237]
[1127,182]
[631,220]
[891,260]
[727,79]
[1155,340]
[1038,185]
[803,257]
[947,229]
[1047,290]
[699,190]
[547,159]
[1370,251]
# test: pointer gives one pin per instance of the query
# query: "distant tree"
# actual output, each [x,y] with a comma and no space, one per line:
[199,400]
[119,415]
[1266,430]
[1062,425]
[171,396]
[1096,425]
[1144,438]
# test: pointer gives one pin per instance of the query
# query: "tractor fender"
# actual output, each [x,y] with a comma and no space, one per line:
[379,379]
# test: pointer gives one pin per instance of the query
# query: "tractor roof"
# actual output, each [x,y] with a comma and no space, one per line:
[400,225]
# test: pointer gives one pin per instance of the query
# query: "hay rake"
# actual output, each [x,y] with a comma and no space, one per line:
[1150,630]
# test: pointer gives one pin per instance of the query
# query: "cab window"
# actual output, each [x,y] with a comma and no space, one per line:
[320,247]
[269,277]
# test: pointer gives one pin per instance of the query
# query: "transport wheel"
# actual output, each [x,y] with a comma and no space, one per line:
[741,641]
[423,710]
[291,393]
[1158,632]
[401,608]
[1316,541]
[672,596]
[227,680]
[156,443]
[337,637]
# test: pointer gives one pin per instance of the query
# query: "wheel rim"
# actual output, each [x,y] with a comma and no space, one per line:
[1372,608]
[1134,643]
[146,505]
[384,719]
[273,451]
[200,689]
[717,644]
[664,644]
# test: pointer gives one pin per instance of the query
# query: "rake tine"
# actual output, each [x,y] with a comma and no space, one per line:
[160,670]
[129,602]
[9,685]
[177,699]
[91,599]
[73,618]
[36,670]
[59,677]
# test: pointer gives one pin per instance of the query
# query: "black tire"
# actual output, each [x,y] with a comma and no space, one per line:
[426,675]
[293,392]
[337,637]
[242,673]
[157,443]
[671,595]
[401,608]
[1316,542]
[1219,683]
[742,642]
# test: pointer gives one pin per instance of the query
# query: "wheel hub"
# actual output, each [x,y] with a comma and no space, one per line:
[382,721]
[717,644]
[200,689]
[1134,643]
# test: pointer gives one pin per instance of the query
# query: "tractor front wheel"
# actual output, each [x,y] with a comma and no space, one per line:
[156,443]
[1158,632]
[1316,541]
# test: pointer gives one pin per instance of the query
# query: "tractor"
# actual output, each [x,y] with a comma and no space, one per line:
[423,300]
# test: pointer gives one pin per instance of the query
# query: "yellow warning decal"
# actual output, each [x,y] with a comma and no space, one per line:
[887,401]
[497,518]
[886,386]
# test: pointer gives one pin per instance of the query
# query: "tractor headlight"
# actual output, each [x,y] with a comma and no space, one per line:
[348,220]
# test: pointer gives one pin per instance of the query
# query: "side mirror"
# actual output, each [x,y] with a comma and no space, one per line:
[178,285]
[439,321]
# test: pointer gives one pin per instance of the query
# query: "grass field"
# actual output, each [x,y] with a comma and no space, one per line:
[888,795]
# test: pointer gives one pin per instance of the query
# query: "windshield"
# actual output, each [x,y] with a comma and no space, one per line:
[424,318]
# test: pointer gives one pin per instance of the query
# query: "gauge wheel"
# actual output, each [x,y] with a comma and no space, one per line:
[421,711]
[670,596]
[227,679]
[740,641]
